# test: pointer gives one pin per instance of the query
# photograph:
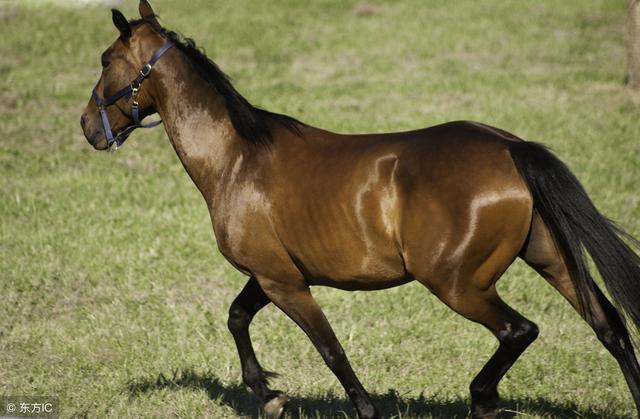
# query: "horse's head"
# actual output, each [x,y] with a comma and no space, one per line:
[121,99]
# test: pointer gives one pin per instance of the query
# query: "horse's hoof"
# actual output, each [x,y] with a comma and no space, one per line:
[484,412]
[274,408]
[485,406]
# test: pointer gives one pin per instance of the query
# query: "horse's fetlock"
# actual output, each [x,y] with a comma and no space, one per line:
[252,375]
[368,412]
[482,393]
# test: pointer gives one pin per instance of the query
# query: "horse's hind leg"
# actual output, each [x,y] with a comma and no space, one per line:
[250,300]
[542,254]
[514,332]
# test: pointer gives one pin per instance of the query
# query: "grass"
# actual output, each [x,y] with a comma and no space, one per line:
[114,297]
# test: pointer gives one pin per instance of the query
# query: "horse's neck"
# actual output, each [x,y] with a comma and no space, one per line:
[199,128]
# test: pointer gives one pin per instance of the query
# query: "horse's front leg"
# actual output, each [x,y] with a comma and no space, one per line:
[295,299]
[250,300]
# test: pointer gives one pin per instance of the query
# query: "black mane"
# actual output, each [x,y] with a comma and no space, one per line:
[252,123]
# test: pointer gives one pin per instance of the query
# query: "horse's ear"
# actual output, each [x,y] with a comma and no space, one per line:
[121,23]
[147,13]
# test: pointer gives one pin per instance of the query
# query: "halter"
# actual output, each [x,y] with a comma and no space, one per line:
[131,90]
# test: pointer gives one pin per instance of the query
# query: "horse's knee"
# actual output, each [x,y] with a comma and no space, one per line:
[238,319]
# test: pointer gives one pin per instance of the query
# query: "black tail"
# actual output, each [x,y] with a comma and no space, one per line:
[576,224]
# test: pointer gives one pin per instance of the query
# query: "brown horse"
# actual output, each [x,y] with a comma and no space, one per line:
[293,206]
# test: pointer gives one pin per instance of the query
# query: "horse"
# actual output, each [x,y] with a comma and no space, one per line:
[294,206]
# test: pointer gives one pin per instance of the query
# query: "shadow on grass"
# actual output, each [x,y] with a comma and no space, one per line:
[390,404]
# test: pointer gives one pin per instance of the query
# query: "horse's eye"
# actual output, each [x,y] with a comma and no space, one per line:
[104,60]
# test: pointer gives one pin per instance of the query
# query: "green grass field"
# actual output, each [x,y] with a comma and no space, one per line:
[112,294]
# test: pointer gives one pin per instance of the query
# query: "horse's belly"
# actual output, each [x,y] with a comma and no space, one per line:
[352,266]
[361,283]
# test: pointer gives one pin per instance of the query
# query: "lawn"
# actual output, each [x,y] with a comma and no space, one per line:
[113,295]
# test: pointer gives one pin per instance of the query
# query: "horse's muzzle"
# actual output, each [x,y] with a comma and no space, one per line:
[94,136]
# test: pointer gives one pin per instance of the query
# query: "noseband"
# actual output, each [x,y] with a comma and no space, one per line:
[131,90]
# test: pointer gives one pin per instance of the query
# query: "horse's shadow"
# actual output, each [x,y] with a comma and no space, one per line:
[390,404]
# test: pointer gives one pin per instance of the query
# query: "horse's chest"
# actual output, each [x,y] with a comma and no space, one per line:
[240,224]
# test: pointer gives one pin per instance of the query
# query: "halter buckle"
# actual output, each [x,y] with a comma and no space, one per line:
[145,70]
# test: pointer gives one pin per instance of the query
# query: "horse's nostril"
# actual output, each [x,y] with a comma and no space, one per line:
[82,123]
